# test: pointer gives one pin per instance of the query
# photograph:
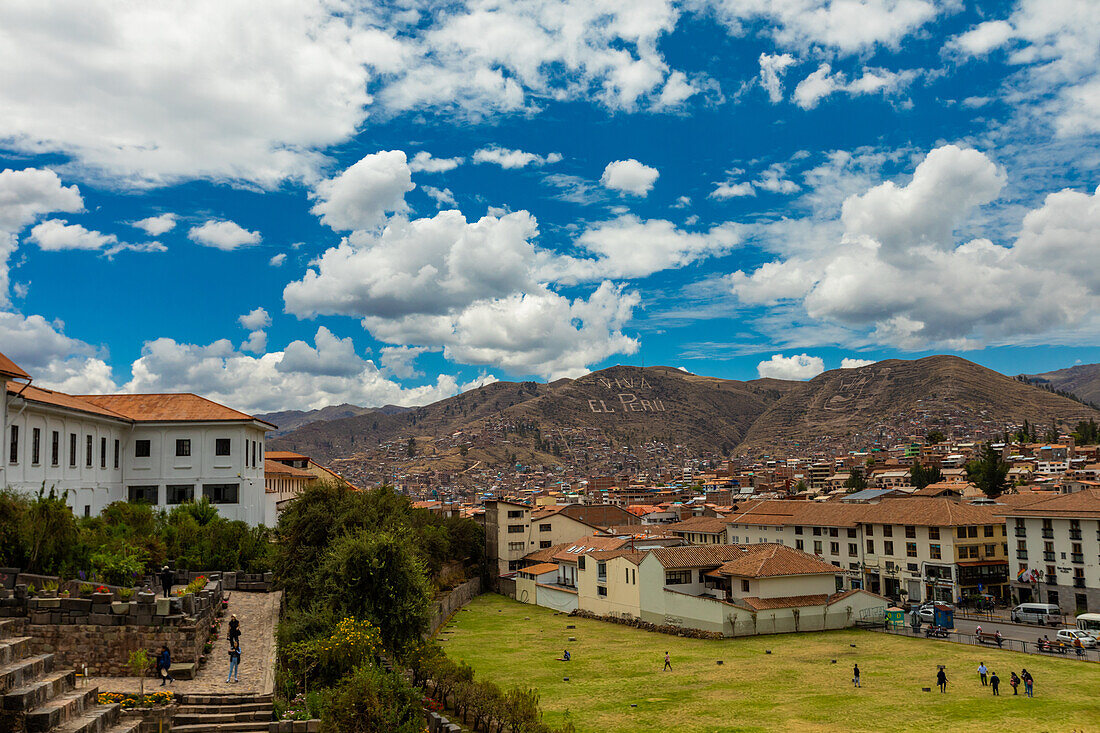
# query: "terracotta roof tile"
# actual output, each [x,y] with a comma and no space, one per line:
[540,568]
[182,407]
[698,556]
[285,455]
[772,560]
[274,468]
[707,525]
[60,399]
[1079,504]
[9,368]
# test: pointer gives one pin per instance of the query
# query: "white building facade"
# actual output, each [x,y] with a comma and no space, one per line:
[159,449]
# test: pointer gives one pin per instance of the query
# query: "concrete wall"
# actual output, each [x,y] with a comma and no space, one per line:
[556,599]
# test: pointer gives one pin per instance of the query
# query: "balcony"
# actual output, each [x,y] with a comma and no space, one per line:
[1078,582]
[1048,533]
[1048,556]
[1021,554]
[1075,534]
[1050,579]
[1077,557]
[1021,532]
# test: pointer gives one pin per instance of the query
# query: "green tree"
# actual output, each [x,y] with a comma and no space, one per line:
[410,448]
[919,476]
[1087,432]
[52,533]
[934,437]
[988,472]
[379,576]
[855,482]
[799,487]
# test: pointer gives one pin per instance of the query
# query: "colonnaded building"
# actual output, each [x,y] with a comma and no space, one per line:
[162,449]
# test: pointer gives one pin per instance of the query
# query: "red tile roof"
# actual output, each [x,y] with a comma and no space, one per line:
[60,399]
[274,468]
[181,407]
[9,368]
[771,560]
[285,455]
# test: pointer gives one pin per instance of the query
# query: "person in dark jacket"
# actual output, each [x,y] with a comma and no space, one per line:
[941,680]
[164,666]
[234,662]
[1014,683]
[995,683]
[166,578]
[234,630]
[855,675]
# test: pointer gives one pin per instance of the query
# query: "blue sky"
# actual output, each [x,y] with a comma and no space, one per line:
[293,204]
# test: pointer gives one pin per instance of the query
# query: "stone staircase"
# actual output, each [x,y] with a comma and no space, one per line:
[215,713]
[36,698]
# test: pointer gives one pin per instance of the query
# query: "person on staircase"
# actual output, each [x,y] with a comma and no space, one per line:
[234,661]
[164,666]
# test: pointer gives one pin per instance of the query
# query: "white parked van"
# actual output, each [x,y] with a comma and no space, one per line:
[1090,624]
[1036,613]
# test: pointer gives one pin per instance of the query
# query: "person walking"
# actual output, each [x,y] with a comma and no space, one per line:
[234,662]
[1029,682]
[995,683]
[164,666]
[166,578]
[1014,682]
[234,629]
[668,662]
[855,675]
[941,680]
[982,672]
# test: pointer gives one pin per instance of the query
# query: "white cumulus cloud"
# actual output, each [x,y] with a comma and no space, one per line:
[359,197]
[423,162]
[772,69]
[850,363]
[255,319]
[629,176]
[157,225]
[799,367]
[223,234]
[507,158]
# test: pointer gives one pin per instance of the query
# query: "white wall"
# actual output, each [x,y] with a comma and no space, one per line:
[93,488]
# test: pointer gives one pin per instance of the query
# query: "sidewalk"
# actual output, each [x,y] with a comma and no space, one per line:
[259,616]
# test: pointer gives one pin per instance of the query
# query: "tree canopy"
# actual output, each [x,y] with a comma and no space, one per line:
[988,472]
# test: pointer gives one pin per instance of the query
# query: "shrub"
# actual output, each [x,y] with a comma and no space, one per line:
[372,700]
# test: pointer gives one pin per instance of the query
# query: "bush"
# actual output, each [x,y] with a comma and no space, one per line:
[372,700]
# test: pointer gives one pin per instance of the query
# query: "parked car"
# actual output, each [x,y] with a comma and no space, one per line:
[1090,624]
[1069,636]
[1036,613]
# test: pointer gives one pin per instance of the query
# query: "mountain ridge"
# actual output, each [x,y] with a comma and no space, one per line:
[888,400]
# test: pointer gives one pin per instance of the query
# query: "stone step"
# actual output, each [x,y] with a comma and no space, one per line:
[217,715]
[14,648]
[254,726]
[39,691]
[64,707]
[128,726]
[249,707]
[97,720]
[11,626]
[223,699]
[21,672]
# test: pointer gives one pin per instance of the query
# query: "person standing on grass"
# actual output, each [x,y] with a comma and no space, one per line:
[995,683]
[234,661]
[668,662]
[1014,682]
[855,676]
[1029,682]
[982,672]
[941,680]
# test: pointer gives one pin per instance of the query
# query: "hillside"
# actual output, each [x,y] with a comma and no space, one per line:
[888,401]
[289,420]
[894,398]
[626,404]
[1082,381]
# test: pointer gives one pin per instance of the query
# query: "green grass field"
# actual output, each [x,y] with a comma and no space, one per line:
[795,688]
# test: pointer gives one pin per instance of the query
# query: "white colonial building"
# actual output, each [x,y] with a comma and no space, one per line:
[162,449]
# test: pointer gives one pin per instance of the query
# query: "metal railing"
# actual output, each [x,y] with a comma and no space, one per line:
[1016,645]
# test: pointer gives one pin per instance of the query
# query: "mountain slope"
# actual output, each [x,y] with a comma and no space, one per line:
[890,399]
[1082,380]
[288,420]
[626,404]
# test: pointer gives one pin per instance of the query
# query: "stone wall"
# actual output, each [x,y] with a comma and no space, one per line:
[443,607]
[100,634]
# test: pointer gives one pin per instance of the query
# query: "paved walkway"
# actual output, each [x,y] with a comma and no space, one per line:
[259,615]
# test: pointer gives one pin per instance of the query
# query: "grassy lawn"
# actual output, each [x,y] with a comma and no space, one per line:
[795,688]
